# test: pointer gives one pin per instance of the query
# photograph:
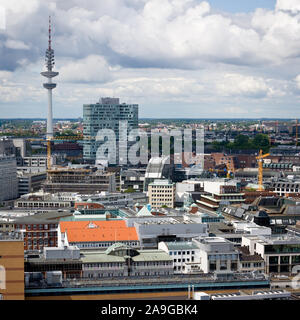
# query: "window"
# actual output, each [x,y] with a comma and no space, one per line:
[284,259]
[212,267]
[273,260]
[295,259]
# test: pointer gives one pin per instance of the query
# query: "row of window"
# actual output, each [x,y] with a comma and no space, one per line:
[120,274]
[40,242]
[41,204]
[122,264]
[183,260]
[181,252]
[248,265]
[179,268]
[40,234]
[37,226]
[101,244]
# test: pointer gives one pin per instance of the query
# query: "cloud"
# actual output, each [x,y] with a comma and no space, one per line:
[235,110]
[182,34]
[90,69]
[151,51]
[240,85]
[289,5]
[17,45]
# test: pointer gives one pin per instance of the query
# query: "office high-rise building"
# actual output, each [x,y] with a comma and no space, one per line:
[9,180]
[108,113]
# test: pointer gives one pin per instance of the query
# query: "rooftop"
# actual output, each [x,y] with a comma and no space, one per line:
[143,255]
[181,245]
[97,231]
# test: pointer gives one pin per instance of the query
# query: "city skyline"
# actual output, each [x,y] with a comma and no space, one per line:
[176,59]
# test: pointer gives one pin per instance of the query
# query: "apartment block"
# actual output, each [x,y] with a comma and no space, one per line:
[161,193]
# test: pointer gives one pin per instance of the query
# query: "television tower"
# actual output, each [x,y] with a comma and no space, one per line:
[49,85]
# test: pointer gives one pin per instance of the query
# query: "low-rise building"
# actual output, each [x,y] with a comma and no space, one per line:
[219,192]
[217,254]
[132,179]
[37,233]
[286,188]
[49,204]
[161,193]
[120,260]
[281,254]
[203,255]
[30,182]
[112,199]
[183,254]
[83,180]
[250,262]
[96,234]
[152,230]
[184,187]
[64,259]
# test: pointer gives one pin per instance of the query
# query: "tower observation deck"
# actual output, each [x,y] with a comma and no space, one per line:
[49,85]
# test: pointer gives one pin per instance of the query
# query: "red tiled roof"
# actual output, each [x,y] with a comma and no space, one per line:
[98,231]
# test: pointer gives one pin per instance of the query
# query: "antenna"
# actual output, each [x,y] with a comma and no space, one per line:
[49,85]
[49,47]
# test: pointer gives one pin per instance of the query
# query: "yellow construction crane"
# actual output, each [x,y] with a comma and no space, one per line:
[296,132]
[260,169]
[48,154]
[228,170]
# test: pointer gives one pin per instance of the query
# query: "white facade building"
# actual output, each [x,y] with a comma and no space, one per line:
[281,254]
[203,255]
[152,230]
[161,193]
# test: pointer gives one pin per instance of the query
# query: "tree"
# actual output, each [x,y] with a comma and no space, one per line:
[261,141]
[242,142]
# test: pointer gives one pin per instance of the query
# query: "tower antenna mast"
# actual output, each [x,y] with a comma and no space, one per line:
[49,85]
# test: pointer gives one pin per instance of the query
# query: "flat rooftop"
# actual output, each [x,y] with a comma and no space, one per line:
[181,245]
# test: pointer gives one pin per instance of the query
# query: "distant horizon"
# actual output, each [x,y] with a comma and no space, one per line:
[159,118]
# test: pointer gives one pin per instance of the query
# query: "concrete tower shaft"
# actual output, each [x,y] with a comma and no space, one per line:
[49,85]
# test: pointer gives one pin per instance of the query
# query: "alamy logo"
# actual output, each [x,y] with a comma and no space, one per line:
[296,279]
[133,146]
[2,278]
[2,18]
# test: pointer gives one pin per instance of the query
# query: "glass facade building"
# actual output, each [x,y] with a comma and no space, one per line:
[108,113]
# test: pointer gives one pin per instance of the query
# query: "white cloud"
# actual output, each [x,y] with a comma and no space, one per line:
[290,5]
[240,85]
[297,82]
[17,45]
[235,110]
[161,51]
[90,69]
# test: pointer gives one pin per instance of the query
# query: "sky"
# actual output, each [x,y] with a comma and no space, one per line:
[175,58]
